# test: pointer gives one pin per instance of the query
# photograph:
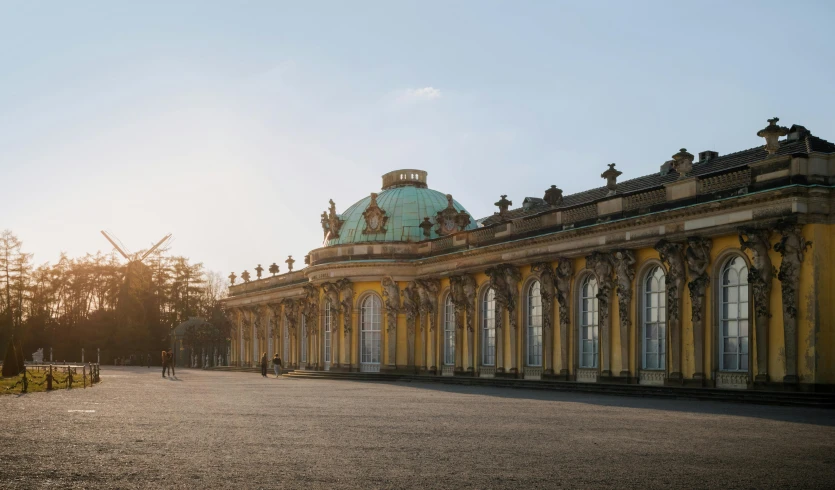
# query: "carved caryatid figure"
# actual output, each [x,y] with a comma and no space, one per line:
[760,277]
[391,300]
[545,273]
[427,290]
[698,259]
[792,247]
[331,296]
[411,306]
[600,264]
[459,299]
[291,314]
[346,293]
[672,255]
[504,279]
[565,271]
[311,308]
[624,262]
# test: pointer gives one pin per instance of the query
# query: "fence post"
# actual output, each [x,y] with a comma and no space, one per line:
[25,381]
[84,375]
[69,377]
[49,379]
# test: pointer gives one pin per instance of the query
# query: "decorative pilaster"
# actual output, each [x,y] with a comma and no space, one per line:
[760,277]
[410,307]
[346,294]
[470,290]
[672,255]
[792,247]
[545,274]
[624,262]
[459,302]
[698,259]
[391,299]
[504,279]
[601,265]
[565,270]
[331,296]
[427,290]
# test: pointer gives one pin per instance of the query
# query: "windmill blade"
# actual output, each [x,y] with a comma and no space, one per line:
[113,242]
[159,243]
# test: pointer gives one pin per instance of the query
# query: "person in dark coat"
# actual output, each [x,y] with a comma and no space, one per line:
[164,362]
[277,365]
[170,358]
[264,364]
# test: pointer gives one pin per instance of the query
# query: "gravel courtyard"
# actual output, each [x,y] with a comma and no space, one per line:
[239,430]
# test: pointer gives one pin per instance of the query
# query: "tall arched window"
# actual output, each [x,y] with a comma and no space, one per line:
[488,328]
[534,326]
[449,331]
[370,331]
[588,323]
[655,321]
[304,339]
[733,328]
[328,327]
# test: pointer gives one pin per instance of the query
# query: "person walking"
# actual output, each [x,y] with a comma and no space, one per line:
[277,365]
[170,358]
[164,362]
[149,361]
[264,364]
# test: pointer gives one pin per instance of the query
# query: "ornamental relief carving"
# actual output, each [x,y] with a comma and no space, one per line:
[449,220]
[792,247]
[459,299]
[565,271]
[375,217]
[672,257]
[762,271]
[504,279]
[310,309]
[545,275]
[346,295]
[391,300]
[330,293]
[698,259]
[601,266]
[624,264]
[291,314]
[411,306]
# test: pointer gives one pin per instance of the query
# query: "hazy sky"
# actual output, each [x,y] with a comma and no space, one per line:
[231,124]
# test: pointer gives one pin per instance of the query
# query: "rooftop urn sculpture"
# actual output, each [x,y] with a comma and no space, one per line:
[274,269]
[258,271]
[232,278]
[245,276]
[503,205]
[772,133]
[290,263]
[553,196]
[682,163]
[611,175]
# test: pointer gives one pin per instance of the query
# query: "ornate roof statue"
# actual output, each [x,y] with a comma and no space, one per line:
[553,196]
[503,205]
[772,133]
[611,175]
[274,269]
[682,163]
[258,271]
[289,263]
[245,276]
[232,278]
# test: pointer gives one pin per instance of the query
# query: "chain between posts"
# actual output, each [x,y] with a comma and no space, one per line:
[90,370]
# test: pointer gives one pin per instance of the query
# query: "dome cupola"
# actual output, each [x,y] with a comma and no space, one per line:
[406,210]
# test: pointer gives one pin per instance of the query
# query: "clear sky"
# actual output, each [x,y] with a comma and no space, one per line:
[231,124]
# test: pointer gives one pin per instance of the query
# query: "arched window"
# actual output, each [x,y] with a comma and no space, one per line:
[449,331]
[304,339]
[328,327]
[733,316]
[588,323]
[370,331]
[655,320]
[534,325]
[488,328]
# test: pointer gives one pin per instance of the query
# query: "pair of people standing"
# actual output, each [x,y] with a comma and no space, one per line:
[276,365]
[168,362]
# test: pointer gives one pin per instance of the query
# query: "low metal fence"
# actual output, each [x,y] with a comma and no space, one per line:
[55,376]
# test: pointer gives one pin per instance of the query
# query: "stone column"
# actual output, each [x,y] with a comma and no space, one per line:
[624,262]
[760,277]
[672,256]
[391,300]
[792,247]
[698,258]
[564,273]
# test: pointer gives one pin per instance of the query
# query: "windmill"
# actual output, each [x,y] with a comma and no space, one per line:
[136,302]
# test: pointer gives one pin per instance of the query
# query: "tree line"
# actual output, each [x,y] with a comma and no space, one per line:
[104,302]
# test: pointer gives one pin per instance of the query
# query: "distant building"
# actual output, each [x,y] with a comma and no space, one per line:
[718,270]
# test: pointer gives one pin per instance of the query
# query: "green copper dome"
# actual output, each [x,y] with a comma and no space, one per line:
[398,212]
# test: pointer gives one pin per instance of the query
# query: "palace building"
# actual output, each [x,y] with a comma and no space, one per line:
[715,271]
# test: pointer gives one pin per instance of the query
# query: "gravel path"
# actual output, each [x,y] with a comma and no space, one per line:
[238,430]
